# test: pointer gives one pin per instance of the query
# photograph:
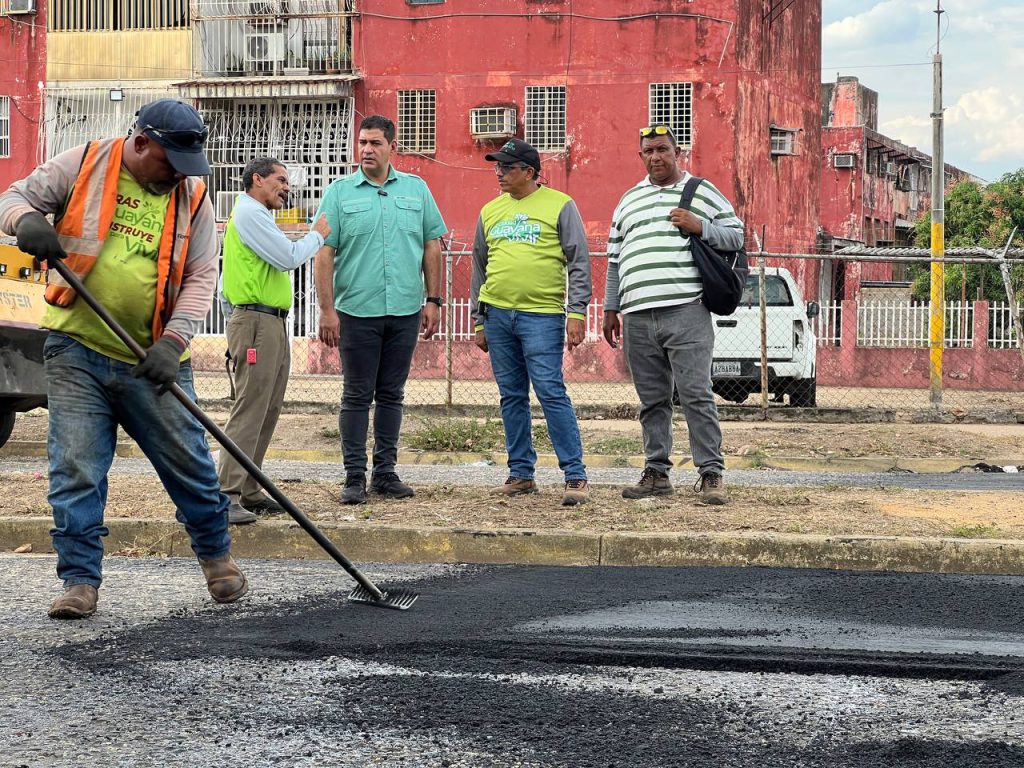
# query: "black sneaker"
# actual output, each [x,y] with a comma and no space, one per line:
[265,507]
[355,490]
[388,484]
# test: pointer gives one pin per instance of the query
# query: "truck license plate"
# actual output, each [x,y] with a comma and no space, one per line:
[725,368]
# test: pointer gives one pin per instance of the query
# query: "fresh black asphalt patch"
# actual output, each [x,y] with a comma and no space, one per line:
[489,653]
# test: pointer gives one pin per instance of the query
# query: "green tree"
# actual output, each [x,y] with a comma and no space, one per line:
[975,216]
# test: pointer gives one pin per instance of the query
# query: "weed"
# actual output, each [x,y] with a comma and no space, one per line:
[458,435]
[617,445]
[331,433]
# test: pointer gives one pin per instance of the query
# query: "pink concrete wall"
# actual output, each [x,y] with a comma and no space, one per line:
[23,49]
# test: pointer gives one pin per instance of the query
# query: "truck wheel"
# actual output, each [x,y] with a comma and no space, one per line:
[6,425]
[804,394]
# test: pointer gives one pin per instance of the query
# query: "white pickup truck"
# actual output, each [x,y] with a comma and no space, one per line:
[791,343]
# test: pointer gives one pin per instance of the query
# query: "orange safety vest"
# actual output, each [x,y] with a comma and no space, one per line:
[82,228]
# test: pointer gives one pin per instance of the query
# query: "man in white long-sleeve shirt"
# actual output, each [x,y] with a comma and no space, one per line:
[256,286]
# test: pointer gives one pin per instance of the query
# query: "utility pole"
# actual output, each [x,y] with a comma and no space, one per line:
[937,318]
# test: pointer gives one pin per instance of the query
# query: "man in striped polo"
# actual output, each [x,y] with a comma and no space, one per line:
[666,330]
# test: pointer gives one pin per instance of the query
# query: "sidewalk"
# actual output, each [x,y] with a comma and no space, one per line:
[773,523]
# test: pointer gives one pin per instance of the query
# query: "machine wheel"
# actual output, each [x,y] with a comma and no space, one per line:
[6,425]
[804,394]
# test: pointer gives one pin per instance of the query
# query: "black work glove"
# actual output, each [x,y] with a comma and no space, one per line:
[161,364]
[37,237]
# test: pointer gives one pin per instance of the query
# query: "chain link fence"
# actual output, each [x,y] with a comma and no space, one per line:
[783,348]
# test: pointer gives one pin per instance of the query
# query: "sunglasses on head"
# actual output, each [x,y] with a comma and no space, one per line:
[180,139]
[655,130]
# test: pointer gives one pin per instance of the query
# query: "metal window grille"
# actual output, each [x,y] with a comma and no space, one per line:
[781,141]
[417,114]
[112,15]
[545,117]
[74,116]
[5,126]
[671,104]
[311,138]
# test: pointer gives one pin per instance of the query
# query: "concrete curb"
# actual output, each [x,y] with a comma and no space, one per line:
[284,539]
[36,449]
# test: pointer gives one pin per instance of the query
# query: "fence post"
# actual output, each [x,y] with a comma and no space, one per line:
[449,327]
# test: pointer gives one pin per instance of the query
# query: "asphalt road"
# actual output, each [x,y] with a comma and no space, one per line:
[515,666]
[422,474]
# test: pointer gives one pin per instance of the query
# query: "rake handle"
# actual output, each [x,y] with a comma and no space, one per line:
[226,442]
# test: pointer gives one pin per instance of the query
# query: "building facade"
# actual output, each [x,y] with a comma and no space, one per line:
[874,189]
[23,36]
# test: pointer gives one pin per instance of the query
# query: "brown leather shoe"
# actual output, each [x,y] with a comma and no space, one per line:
[515,486]
[224,579]
[711,488]
[652,483]
[576,492]
[77,602]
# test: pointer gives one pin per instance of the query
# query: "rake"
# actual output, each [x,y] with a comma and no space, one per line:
[366,592]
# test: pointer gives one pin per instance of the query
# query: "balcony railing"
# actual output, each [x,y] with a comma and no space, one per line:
[260,38]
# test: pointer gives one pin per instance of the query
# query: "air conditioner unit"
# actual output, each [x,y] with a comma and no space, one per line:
[844,161]
[265,51]
[492,122]
[223,205]
[17,7]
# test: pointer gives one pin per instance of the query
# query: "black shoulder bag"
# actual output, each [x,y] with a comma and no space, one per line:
[723,273]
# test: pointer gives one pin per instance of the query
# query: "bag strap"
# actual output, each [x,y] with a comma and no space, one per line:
[688,191]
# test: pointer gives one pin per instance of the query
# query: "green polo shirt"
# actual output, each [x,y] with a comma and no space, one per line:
[378,241]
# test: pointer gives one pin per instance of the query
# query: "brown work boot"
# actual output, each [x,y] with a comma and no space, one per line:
[77,602]
[711,488]
[224,579]
[576,492]
[515,486]
[652,483]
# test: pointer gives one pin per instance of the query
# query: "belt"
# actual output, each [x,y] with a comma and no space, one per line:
[265,309]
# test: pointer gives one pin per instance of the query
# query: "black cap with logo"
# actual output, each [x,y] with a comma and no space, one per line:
[516,151]
[178,128]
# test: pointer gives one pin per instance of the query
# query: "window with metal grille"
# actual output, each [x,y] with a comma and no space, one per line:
[783,141]
[5,126]
[417,115]
[103,15]
[545,117]
[671,104]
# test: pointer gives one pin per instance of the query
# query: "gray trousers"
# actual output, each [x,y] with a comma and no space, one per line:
[259,394]
[666,346]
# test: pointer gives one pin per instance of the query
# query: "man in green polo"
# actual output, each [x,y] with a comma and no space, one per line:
[370,274]
[257,290]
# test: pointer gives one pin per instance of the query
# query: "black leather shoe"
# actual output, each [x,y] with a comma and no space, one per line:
[239,515]
[355,490]
[388,484]
[265,507]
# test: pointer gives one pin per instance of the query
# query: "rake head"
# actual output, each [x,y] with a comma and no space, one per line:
[398,599]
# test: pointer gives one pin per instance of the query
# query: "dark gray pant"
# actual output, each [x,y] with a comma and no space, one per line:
[674,345]
[376,354]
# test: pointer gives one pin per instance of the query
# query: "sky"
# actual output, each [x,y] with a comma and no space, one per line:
[982,47]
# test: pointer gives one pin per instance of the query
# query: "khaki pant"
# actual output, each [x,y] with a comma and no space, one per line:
[259,394]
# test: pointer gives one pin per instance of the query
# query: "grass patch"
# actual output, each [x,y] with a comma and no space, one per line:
[976,532]
[616,445]
[331,433]
[458,435]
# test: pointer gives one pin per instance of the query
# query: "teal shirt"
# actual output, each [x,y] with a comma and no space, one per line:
[378,241]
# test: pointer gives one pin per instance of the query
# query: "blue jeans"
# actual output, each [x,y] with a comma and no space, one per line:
[527,347]
[89,395]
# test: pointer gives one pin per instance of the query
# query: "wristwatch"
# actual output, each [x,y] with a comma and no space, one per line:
[435,300]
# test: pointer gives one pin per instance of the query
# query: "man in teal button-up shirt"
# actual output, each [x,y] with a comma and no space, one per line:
[370,274]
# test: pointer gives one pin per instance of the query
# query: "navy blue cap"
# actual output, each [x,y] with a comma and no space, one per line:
[178,128]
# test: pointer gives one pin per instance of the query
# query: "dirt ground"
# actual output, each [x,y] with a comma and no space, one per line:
[824,510]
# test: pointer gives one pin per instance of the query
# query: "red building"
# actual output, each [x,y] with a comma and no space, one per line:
[874,189]
[21,84]
[736,79]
